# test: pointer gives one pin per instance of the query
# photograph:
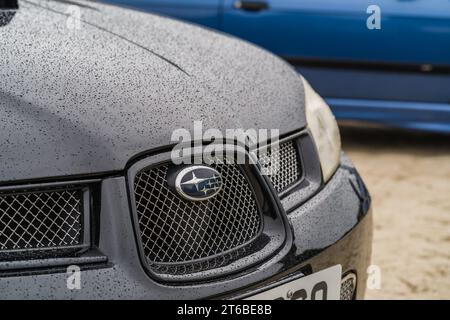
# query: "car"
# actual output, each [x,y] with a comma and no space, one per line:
[94,101]
[393,72]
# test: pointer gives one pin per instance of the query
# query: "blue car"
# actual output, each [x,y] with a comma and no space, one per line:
[382,61]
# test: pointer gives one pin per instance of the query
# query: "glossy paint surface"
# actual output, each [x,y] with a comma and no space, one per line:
[413,42]
[414,32]
[88,101]
[204,12]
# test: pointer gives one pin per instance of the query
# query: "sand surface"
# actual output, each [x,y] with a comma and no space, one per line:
[408,175]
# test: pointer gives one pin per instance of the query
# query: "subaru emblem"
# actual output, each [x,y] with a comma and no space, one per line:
[198,183]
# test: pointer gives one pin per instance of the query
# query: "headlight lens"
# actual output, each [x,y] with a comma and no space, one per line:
[324,129]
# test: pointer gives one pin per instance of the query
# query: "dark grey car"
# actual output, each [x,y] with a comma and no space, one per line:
[90,97]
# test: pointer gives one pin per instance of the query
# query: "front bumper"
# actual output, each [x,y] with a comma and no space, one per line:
[333,227]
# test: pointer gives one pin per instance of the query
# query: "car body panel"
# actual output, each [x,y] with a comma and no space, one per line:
[406,100]
[204,12]
[410,53]
[118,94]
[409,57]
[412,32]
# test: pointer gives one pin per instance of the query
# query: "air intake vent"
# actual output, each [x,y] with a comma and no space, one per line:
[8,4]
[282,165]
[348,286]
[40,220]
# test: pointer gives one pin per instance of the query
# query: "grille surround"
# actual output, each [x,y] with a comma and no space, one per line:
[35,221]
[272,238]
[287,171]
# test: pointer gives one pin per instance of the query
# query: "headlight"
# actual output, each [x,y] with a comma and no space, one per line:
[324,129]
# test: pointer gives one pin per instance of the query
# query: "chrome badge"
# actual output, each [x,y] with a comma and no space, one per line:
[198,183]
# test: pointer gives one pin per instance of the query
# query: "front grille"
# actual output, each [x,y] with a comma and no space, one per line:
[348,286]
[206,264]
[38,220]
[177,231]
[281,163]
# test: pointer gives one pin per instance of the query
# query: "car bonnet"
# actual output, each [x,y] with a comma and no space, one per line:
[84,87]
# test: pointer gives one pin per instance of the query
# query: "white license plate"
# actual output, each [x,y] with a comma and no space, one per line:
[322,285]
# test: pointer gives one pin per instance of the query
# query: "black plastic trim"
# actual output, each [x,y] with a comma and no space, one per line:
[53,256]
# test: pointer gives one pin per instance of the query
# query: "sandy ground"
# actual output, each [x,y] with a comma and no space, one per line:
[408,175]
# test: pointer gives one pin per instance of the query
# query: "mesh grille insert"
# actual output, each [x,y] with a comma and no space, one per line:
[282,165]
[37,220]
[348,288]
[174,230]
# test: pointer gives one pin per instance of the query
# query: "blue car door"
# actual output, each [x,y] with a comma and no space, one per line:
[411,31]
[204,12]
[360,54]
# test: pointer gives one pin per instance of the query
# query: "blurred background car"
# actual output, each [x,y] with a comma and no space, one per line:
[398,75]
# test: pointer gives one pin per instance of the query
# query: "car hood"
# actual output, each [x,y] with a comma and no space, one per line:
[85,88]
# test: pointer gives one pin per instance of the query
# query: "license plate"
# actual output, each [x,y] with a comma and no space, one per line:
[322,285]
